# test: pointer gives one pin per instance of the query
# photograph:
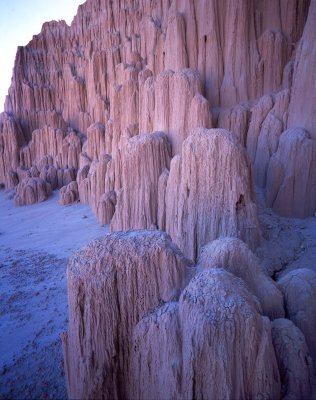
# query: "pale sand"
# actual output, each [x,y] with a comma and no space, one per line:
[35,242]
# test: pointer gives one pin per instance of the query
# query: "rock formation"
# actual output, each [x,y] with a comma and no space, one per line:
[32,190]
[112,283]
[69,194]
[91,181]
[162,67]
[299,289]
[286,182]
[172,102]
[213,343]
[122,342]
[144,157]
[302,106]
[235,256]
[166,115]
[211,198]
[294,361]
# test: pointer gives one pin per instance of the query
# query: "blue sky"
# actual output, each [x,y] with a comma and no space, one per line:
[19,21]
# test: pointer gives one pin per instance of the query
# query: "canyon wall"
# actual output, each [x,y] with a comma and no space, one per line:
[163,116]
[126,68]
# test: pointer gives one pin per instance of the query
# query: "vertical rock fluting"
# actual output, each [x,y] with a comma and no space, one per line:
[112,283]
[143,158]
[91,182]
[82,101]
[172,102]
[163,57]
[279,157]
[213,343]
[268,120]
[32,190]
[69,194]
[294,361]
[236,257]
[235,62]
[302,108]
[209,192]
[299,290]
[291,191]
[11,139]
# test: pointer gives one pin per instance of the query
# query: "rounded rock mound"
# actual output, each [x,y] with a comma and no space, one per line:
[32,190]
[235,256]
[112,283]
[212,344]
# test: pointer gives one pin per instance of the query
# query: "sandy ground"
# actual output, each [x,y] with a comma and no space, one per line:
[35,242]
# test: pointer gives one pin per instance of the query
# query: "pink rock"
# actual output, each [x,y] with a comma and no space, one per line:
[209,192]
[69,194]
[112,283]
[235,256]
[32,190]
[213,343]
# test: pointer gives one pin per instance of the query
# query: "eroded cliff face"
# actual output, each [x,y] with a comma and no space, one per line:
[137,67]
[164,116]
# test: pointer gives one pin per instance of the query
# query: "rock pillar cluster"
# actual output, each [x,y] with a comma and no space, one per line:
[163,116]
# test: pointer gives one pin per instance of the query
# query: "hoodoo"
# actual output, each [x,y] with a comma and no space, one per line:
[186,126]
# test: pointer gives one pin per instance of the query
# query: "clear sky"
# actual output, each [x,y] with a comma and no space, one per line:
[19,21]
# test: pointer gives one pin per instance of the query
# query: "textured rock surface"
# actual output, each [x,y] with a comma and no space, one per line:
[235,256]
[294,361]
[112,283]
[32,190]
[172,103]
[158,66]
[144,157]
[11,139]
[286,183]
[268,120]
[209,192]
[213,343]
[299,289]
[82,114]
[91,181]
[69,194]
[302,107]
